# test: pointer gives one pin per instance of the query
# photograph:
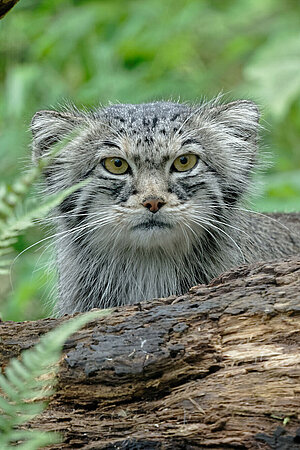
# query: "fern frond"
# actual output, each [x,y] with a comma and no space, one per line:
[38,440]
[29,381]
[14,218]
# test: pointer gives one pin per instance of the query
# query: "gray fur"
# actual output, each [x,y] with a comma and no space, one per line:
[111,250]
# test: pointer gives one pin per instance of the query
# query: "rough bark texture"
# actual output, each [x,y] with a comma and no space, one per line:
[5,6]
[216,368]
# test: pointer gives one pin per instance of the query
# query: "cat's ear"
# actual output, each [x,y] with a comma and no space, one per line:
[232,137]
[50,127]
[240,118]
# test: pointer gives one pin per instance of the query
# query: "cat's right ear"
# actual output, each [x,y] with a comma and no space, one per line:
[49,128]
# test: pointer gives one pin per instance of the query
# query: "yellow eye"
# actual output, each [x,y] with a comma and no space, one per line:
[185,162]
[117,166]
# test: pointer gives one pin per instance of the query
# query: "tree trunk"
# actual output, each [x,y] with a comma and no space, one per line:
[218,367]
[5,6]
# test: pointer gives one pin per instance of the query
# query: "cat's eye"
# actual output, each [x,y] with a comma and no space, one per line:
[117,166]
[185,162]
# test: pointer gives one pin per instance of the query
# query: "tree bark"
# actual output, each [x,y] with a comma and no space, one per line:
[218,367]
[5,6]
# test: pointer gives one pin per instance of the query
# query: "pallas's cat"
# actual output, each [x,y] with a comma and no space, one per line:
[161,210]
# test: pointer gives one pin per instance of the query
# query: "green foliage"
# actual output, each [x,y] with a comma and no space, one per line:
[14,218]
[282,188]
[17,214]
[96,51]
[28,382]
[277,64]
[100,50]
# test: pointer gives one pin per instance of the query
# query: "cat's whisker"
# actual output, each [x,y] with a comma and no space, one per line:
[249,211]
[202,224]
[212,219]
[191,230]
[185,236]
[58,235]
[68,215]
[266,216]
[89,229]
[218,229]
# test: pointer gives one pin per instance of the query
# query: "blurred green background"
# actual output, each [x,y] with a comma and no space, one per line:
[93,52]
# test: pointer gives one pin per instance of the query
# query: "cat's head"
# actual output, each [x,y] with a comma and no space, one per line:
[160,174]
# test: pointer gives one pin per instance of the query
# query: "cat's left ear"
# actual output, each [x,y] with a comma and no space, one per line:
[240,118]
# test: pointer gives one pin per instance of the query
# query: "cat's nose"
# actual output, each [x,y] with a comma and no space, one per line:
[153,204]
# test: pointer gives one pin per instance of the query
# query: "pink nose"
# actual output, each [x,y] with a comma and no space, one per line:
[153,204]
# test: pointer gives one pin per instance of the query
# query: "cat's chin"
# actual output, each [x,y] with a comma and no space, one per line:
[150,236]
[152,226]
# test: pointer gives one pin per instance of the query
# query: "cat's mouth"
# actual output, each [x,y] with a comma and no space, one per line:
[152,225]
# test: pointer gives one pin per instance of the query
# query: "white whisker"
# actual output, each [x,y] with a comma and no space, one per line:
[218,229]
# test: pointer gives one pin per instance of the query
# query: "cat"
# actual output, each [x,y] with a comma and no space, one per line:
[161,210]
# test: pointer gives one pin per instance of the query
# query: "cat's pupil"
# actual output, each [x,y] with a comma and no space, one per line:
[118,163]
[183,160]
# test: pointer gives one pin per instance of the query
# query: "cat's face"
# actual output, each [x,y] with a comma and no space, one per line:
[150,190]
[160,175]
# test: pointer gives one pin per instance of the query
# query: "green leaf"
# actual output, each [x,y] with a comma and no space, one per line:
[15,219]
[274,72]
[23,387]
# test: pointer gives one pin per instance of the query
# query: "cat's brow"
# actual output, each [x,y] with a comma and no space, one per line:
[189,142]
[110,144]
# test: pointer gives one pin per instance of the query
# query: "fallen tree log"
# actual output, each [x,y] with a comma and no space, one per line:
[218,367]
